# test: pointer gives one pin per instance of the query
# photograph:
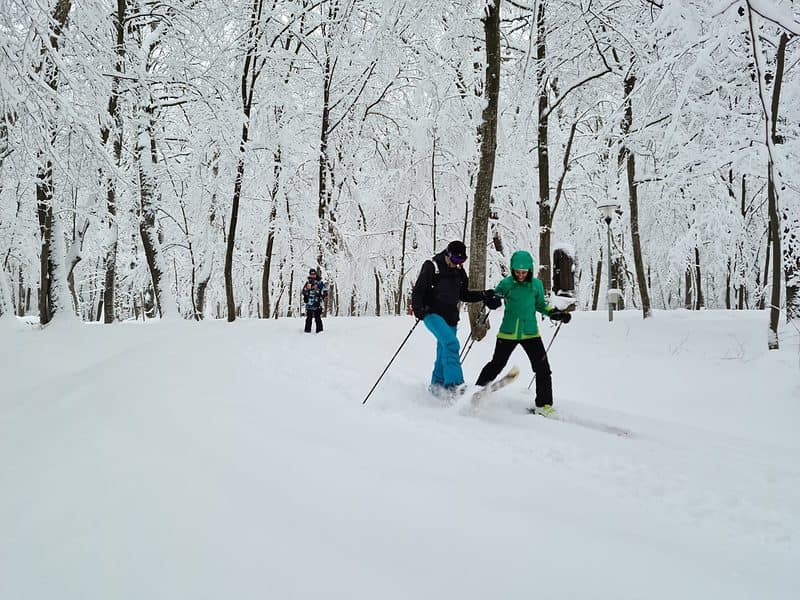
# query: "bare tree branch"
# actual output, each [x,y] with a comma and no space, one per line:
[585,80]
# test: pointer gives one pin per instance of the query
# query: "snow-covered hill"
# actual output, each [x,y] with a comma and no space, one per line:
[184,460]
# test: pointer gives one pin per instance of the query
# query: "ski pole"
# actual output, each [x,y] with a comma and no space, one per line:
[546,350]
[390,362]
[464,347]
[465,350]
[467,342]
[471,340]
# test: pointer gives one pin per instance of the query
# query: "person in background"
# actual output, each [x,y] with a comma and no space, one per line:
[441,285]
[523,295]
[314,294]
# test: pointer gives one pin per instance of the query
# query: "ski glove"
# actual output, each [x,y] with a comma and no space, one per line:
[560,315]
[491,300]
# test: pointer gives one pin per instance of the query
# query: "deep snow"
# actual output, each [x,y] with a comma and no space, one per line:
[185,460]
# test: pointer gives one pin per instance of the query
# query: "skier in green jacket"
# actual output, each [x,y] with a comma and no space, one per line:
[524,297]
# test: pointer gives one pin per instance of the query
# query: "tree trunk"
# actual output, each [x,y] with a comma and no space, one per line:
[51,297]
[791,261]
[21,296]
[47,266]
[483,188]
[770,140]
[762,287]
[288,260]
[628,157]
[278,302]
[115,115]
[6,304]
[687,294]
[433,192]
[790,216]
[74,256]
[775,236]
[268,262]
[542,152]
[618,280]
[728,285]
[700,301]
[146,161]
[250,74]
[597,282]
[398,303]
[209,254]
[276,171]
[497,236]
[99,311]
[742,289]
[324,197]
[231,244]
[290,302]
[377,293]
[202,286]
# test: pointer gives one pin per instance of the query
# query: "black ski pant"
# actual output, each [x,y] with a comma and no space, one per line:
[316,315]
[534,348]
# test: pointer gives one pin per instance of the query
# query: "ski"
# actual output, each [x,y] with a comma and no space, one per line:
[509,377]
[588,423]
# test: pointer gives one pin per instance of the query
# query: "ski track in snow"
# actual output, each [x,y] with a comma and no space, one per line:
[657,468]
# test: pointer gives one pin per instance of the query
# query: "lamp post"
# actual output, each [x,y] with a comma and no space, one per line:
[608,211]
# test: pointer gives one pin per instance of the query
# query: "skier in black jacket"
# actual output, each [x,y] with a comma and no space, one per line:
[441,285]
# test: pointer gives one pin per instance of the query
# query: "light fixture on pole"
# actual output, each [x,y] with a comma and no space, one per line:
[608,210]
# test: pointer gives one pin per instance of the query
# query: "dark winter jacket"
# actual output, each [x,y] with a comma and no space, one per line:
[314,293]
[522,301]
[440,293]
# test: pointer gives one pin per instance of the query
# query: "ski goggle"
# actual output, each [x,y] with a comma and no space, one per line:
[456,259]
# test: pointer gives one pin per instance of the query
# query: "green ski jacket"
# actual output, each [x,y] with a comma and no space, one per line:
[522,301]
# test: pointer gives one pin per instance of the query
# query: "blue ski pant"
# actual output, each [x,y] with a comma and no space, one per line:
[447,368]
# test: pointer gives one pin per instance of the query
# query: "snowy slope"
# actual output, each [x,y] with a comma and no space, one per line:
[184,460]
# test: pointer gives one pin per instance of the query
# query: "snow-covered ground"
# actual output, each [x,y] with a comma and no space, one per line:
[209,461]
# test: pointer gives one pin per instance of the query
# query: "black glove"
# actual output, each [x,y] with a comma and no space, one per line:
[560,315]
[491,300]
[420,314]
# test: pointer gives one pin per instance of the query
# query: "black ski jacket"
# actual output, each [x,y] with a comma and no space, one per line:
[440,293]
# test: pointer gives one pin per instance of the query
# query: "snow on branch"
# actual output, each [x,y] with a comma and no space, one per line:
[777,13]
[583,81]
[520,5]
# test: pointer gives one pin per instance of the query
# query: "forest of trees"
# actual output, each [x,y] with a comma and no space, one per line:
[193,158]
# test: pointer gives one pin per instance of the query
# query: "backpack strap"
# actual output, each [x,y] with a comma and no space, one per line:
[435,278]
